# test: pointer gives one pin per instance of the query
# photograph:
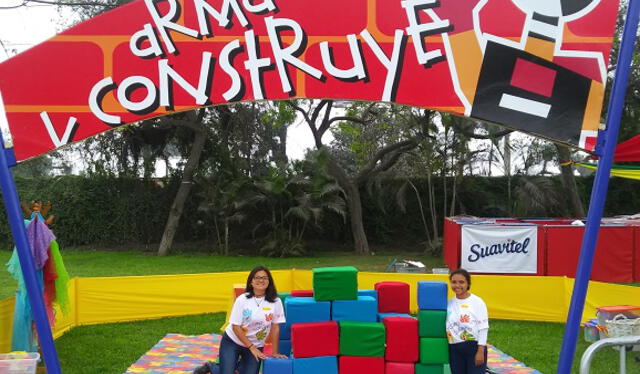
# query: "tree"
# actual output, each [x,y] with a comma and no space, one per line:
[372,155]
[288,200]
[194,121]
[569,181]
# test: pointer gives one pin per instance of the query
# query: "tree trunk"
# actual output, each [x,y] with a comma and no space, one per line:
[226,237]
[507,171]
[183,192]
[360,242]
[432,206]
[569,182]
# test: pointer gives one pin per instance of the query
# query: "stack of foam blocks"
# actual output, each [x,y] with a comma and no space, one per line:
[432,316]
[337,329]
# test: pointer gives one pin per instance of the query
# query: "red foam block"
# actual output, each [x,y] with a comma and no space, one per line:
[403,343]
[302,293]
[393,297]
[360,365]
[315,339]
[399,368]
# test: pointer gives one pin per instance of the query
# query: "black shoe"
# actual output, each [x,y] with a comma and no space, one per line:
[202,369]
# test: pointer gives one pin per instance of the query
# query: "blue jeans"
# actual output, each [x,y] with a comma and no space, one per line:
[462,358]
[230,352]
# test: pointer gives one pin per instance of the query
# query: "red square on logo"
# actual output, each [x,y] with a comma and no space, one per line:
[533,77]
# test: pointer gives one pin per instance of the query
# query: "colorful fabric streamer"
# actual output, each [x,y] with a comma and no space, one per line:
[53,279]
[629,172]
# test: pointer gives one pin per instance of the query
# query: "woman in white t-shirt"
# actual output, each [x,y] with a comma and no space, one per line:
[467,327]
[255,314]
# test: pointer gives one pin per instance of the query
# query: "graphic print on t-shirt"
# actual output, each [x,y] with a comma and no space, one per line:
[246,316]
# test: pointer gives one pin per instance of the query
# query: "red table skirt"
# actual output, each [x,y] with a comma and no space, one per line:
[617,257]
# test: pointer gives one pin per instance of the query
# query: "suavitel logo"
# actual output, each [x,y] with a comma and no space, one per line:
[509,247]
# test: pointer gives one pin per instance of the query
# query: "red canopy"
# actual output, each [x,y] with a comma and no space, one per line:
[628,150]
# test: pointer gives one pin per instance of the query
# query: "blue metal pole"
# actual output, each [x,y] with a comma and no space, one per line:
[16,222]
[599,193]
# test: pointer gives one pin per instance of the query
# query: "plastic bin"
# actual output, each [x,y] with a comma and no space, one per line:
[19,362]
[605,313]
[591,332]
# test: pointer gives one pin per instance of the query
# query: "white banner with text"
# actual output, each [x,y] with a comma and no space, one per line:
[499,249]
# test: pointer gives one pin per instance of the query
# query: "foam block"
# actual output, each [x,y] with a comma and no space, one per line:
[402,339]
[302,293]
[277,366]
[432,323]
[429,369]
[382,316]
[432,295]
[372,293]
[362,339]
[364,309]
[284,347]
[306,309]
[335,283]
[399,368]
[285,331]
[434,351]
[314,339]
[238,289]
[360,365]
[393,297]
[316,365]
[283,296]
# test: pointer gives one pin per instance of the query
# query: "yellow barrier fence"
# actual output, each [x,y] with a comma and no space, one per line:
[120,299]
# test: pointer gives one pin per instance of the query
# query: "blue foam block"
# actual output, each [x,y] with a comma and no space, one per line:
[372,293]
[364,309]
[306,309]
[284,346]
[316,365]
[285,331]
[277,366]
[432,295]
[382,316]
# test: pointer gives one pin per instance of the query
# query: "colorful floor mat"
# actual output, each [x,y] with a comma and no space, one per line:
[180,354]
[177,354]
[501,363]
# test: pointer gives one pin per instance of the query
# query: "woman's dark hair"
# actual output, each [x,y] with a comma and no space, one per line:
[271,294]
[464,273]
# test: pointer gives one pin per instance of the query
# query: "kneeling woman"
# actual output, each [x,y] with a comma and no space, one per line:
[255,314]
[467,327]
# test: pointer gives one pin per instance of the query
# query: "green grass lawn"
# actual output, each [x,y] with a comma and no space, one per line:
[112,264]
[111,348]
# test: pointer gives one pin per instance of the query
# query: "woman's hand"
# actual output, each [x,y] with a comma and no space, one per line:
[257,353]
[480,355]
[278,355]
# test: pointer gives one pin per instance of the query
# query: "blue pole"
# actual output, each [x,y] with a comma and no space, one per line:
[16,222]
[599,193]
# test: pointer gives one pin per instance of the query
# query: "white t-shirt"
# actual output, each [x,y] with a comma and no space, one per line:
[466,320]
[255,315]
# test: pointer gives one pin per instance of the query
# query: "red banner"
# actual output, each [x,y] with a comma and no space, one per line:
[535,66]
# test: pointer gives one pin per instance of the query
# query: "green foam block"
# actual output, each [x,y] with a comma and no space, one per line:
[434,351]
[432,323]
[362,339]
[429,369]
[335,283]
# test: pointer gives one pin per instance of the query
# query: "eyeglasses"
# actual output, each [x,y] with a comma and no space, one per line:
[265,278]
